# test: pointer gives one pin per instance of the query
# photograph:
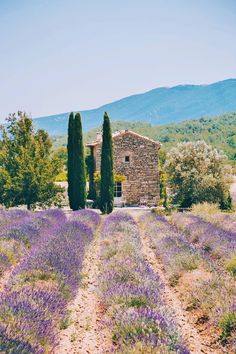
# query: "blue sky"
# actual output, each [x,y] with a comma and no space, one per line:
[63,55]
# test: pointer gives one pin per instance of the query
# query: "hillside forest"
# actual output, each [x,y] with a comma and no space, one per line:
[219,131]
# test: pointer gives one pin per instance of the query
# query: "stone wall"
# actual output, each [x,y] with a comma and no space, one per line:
[142,178]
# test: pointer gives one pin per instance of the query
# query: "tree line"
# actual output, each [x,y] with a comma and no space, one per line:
[28,168]
[219,131]
[190,173]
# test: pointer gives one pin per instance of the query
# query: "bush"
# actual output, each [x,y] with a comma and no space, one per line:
[198,173]
[228,326]
[230,265]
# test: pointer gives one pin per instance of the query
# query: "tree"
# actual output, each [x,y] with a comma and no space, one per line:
[76,164]
[107,174]
[70,160]
[27,167]
[90,164]
[80,176]
[163,179]
[198,173]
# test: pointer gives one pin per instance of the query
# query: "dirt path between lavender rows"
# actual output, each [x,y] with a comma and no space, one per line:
[85,335]
[195,341]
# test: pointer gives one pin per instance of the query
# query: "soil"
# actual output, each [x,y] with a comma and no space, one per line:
[190,325]
[85,333]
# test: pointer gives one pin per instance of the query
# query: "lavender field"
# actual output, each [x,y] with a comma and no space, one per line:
[130,282]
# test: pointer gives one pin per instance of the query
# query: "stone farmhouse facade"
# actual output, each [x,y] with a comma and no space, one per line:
[136,159]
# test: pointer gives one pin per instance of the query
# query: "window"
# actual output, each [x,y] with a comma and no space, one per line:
[127,159]
[118,190]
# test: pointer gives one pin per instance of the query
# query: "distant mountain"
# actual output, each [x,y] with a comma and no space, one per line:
[159,106]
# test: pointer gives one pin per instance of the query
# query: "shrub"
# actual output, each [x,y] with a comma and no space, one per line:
[198,173]
[228,326]
[230,265]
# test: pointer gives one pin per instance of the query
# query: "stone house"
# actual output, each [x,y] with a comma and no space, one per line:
[136,159]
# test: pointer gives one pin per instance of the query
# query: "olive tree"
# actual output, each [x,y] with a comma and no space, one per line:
[198,173]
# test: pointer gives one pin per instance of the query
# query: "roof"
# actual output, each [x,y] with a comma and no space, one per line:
[120,133]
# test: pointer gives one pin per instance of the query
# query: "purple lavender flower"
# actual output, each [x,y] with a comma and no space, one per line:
[42,284]
[87,216]
[133,291]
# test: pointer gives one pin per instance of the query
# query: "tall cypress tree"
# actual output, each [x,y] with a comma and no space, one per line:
[70,160]
[107,173]
[76,164]
[90,165]
[79,165]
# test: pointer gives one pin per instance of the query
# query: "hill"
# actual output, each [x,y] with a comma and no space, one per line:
[218,131]
[159,106]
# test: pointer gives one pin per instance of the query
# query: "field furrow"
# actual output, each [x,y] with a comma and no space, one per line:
[84,333]
[132,293]
[206,297]
[194,339]
[34,305]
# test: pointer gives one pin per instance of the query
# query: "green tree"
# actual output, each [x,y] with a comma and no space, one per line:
[80,175]
[198,173]
[76,164]
[70,161]
[27,167]
[90,164]
[107,174]
[163,179]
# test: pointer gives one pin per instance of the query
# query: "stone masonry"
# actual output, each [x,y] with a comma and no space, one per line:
[136,158]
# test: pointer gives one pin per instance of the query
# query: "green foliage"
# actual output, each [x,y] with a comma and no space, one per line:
[230,265]
[90,165]
[163,180]
[197,173]
[27,167]
[61,177]
[107,173]
[70,161]
[226,202]
[218,131]
[228,326]
[76,164]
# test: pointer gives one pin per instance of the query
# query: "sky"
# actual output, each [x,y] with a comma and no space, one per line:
[63,55]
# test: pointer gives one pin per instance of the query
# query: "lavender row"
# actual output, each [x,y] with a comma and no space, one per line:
[40,288]
[87,216]
[219,244]
[171,247]
[132,293]
[213,294]
[225,221]
[20,230]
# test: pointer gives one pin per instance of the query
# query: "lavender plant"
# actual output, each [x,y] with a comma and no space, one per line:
[182,252]
[132,292]
[87,216]
[34,303]
[171,247]
[21,230]
[212,240]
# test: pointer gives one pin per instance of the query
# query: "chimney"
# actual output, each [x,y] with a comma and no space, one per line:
[98,136]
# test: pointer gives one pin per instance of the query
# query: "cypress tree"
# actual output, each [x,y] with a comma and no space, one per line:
[79,165]
[70,160]
[76,164]
[107,173]
[90,164]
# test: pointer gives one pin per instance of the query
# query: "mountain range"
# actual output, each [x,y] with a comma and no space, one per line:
[163,105]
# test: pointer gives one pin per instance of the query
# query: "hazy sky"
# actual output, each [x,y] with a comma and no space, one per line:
[63,55]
